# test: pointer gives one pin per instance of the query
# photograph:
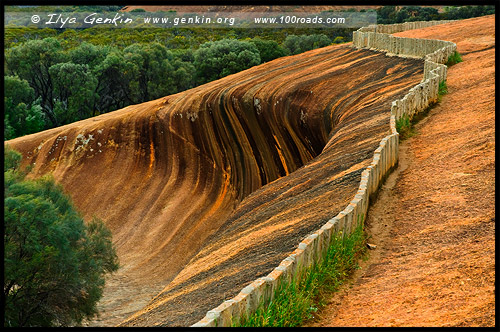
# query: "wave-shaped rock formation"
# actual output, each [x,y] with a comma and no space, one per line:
[208,189]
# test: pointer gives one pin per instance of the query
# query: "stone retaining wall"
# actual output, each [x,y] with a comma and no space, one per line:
[313,248]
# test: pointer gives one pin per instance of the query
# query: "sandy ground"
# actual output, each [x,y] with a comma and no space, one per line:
[434,219]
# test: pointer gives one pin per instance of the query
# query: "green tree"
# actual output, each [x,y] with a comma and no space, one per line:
[11,160]
[314,41]
[93,57]
[461,12]
[152,71]
[298,44]
[292,44]
[403,14]
[31,61]
[114,75]
[22,114]
[416,13]
[89,54]
[268,49]
[220,58]
[54,264]
[184,72]
[74,93]
[428,14]
[386,14]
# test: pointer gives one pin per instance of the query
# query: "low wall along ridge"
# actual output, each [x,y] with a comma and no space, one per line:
[313,248]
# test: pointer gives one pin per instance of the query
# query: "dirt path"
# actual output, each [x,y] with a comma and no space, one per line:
[434,220]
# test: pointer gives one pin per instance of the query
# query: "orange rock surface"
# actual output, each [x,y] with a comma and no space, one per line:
[208,189]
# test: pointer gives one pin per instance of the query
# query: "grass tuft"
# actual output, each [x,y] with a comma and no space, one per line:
[405,127]
[296,302]
[453,59]
[443,88]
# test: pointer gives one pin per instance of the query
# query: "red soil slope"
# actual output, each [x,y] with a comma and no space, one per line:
[183,173]
[434,224]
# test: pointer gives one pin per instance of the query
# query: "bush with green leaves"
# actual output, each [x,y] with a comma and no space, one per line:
[156,71]
[463,12]
[54,263]
[31,61]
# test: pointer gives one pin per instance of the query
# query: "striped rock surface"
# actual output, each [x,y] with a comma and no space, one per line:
[208,189]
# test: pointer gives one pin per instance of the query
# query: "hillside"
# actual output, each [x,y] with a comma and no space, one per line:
[219,8]
[261,8]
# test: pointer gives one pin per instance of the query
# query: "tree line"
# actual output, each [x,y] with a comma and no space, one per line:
[48,85]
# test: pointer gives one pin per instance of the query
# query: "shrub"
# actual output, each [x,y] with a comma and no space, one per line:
[11,160]
[22,113]
[54,264]
[268,49]
[298,44]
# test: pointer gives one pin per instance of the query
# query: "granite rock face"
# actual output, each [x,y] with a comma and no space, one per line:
[209,189]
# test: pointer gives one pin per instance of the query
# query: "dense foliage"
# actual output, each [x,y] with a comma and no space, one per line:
[47,86]
[217,59]
[54,264]
[298,44]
